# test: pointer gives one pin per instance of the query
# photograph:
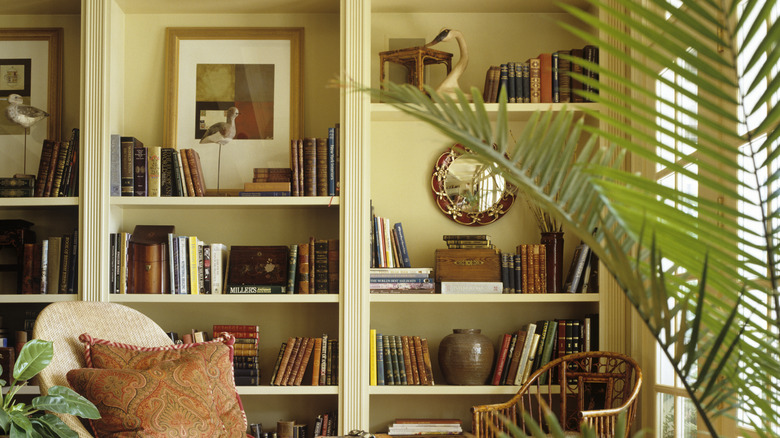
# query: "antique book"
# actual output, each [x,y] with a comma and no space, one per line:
[258,265]
[140,181]
[576,83]
[307,354]
[564,76]
[196,172]
[43,167]
[127,146]
[331,162]
[501,358]
[59,166]
[153,171]
[545,77]
[277,364]
[166,171]
[514,358]
[316,354]
[427,360]
[283,366]
[322,165]
[310,166]
[535,80]
[380,360]
[295,177]
[407,374]
[55,153]
[185,166]
[320,266]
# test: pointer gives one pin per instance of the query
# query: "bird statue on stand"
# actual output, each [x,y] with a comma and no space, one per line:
[221,133]
[24,116]
[450,83]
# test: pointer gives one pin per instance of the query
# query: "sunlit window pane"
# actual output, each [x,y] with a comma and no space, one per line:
[666,417]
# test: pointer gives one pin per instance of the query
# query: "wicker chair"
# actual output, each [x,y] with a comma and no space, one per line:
[592,387]
[63,322]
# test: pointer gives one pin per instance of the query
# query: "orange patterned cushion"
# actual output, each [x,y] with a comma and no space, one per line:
[217,355]
[172,398]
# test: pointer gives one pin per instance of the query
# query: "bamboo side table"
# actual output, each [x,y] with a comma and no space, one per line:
[414,59]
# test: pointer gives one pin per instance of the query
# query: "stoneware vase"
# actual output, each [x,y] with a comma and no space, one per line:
[466,357]
[553,243]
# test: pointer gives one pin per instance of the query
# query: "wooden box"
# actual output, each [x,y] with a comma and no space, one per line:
[147,260]
[467,265]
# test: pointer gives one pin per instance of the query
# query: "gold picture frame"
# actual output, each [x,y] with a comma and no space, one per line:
[35,57]
[257,70]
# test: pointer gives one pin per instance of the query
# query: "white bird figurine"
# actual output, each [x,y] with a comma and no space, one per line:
[450,83]
[21,114]
[24,116]
[221,133]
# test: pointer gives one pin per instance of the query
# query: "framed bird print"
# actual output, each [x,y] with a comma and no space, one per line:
[31,83]
[240,88]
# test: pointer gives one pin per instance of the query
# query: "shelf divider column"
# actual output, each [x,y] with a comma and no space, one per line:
[355,216]
[93,184]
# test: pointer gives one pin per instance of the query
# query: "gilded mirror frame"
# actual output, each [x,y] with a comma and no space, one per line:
[454,210]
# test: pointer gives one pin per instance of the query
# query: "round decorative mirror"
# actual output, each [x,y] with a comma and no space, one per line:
[468,191]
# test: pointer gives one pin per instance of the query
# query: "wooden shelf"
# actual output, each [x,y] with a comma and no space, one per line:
[224,299]
[288,390]
[383,112]
[447,390]
[224,201]
[484,298]
[69,201]
[37,298]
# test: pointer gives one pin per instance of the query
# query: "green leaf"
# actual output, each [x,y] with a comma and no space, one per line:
[54,426]
[63,400]
[34,357]
[5,420]
[20,420]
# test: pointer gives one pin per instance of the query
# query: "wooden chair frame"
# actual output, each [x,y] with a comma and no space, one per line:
[592,388]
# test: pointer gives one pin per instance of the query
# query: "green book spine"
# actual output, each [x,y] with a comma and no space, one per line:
[549,343]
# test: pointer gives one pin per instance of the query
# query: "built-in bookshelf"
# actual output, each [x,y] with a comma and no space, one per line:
[386,159]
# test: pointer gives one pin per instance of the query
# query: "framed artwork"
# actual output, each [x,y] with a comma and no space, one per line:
[259,71]
[30,66]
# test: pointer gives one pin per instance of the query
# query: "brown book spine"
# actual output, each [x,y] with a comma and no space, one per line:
[187,175]
[536,260]
[427,360]
[283,366]
[59,171]
[277,364]
[296,368]
[534,72]
[196,172]
[407,354]
[301,169]
[495,81]
[316,360]
[545,75]
[486,87]
[418,352]
[312,265]
[55,153]
[514,361]
[501,358]
[542,269]
[303,268]
[44,167]
[294,166]
[307,354]
[322,166]
[310,166]
[28,253]
[414,360]
[564,76]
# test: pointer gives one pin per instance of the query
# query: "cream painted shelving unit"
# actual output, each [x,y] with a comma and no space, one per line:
[387,159]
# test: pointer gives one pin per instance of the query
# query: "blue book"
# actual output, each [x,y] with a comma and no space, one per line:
[380,361]
[331,162]
[399,231]
[556,94]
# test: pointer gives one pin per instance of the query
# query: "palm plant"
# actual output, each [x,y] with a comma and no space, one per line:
[702,274]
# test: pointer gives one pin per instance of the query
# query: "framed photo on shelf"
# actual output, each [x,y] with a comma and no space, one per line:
[30,66]
[259,71]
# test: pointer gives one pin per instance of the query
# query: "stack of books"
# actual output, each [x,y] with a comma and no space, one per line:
[269,181]
[399,360]
[468,241]
[17,186]
[425,426]
[402,280]
[295,355]
[388,247]
[246,369]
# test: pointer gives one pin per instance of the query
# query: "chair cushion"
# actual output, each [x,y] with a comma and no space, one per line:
[170,398]
[216,355]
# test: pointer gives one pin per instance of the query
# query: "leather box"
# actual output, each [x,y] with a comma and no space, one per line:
[467,265]
[147,260]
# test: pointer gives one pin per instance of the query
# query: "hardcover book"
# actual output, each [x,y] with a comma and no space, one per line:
[257,265]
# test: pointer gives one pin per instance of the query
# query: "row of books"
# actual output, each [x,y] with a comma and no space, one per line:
[545,78]
[137,170]
[246,370]
[50,266]
[526,270]
[314,360]
[191,267]
[402,280]
[388,244]
[535,344]
[326,424]
[315,267]
[314,162]
[58,171]
[425,426]
[399,360]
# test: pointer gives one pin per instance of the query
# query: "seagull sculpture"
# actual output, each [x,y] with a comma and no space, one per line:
[450,83]
[24,116]
[221,133]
